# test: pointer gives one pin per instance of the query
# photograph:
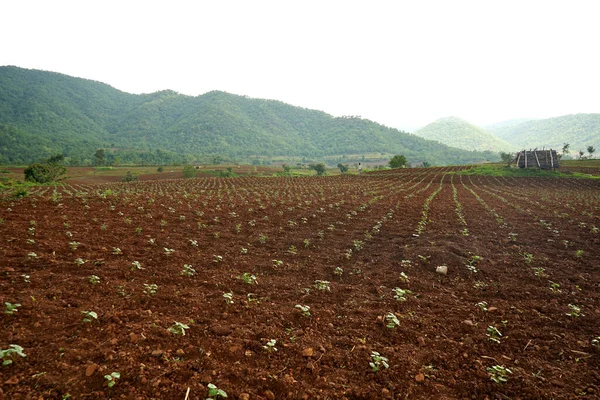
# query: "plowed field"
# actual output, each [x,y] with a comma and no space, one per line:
[318,273]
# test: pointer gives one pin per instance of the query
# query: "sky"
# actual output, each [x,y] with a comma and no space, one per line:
[401,63]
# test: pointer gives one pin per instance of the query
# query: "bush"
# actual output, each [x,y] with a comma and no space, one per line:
[160,169]
[130,177]
[44,173]
[319,168]
[189,171]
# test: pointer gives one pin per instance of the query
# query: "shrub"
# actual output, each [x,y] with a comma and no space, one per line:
[44,172]
[160,169]
[189,171]
[130,177]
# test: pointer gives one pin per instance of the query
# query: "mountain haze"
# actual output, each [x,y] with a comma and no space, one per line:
[44,113]
[457,132]
[580,130]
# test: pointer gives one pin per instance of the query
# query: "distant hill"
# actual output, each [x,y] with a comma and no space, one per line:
[457,132]
[580,130]
[44,113]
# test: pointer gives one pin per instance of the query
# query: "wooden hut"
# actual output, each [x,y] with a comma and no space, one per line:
[540,159]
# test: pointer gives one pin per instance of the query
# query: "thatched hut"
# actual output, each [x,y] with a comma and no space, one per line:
[541,159]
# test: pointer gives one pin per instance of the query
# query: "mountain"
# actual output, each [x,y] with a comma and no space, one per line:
[580,130]
[45,113]
[457,132]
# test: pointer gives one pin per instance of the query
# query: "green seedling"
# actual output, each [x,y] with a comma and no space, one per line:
[498,373]
[188,270]
[270,346]
[338,271]
[7,354]
[214,392]
[277,263]
[112,378]
[403,278]
[540,272]
[136,265]
[94,280]
[555,287]
[322,286]
[575,311]
[391,321]
[26,278]
[10,308]
[579,253]
[527,257]
[304,309]
[150,289]
[244,250]
[117,251]
[482,305]
[74,245]
[217,259]
[378,361]
[248,278]
[32,255]
[493,334]
[79,261]
[168,251]
[89,316]
[228,297]
[400,294]
[193,242]
[596,342]
[178,328]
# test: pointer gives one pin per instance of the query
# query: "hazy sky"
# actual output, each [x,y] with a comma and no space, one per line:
[400,63]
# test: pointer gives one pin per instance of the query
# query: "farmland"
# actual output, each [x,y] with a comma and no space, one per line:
[307,287]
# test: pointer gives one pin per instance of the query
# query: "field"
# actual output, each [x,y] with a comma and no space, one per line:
[273,288]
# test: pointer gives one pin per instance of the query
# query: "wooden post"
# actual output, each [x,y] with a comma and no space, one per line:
[536,158]
[552,159]
[519,159]
[525,158]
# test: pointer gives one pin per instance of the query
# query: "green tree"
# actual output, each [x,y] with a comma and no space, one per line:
[189,171]
[591,151]
[48,171]
[506,157]
[343,168]
[99,157]
[397,161]
[565,149]
[319,168]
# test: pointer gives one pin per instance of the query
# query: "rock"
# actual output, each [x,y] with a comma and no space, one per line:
[90,369]
[269,395]
[244,396]
[468,322]
[421,341]
[385,394]
[420,377]
[235,349]
[492,309]
[133,338]
[288,379]
[180,352]
[308,352]
[157,353]
[441,269]
[12,381]
[558,383]
[220,330]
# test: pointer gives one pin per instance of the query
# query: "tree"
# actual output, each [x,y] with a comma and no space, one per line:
[398,161]
[48,171]
[581,153]
[319,168]
[506,157]
[591,150]
[565,149]
[99,157]
[286,169]
[343,168]
[189,171]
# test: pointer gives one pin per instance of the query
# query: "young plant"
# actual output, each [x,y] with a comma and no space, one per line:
[244,250]
[228,297]
[178,328]
[378,361]
[79,261]
[277,263]
[482,305]
[338,271]
[136,265]
[214,392]
[555,287]
[188,270]
[527,257]
[575,311]
[168,251]
[94,279]
[400,294]
[540,272]
[270,346]
[112,379]
[248,278]
[498,373]
[596,342]
[217,259]
[403,278]
[74,245]
[7,354]
[391,321]
[117,251]
[322,286]
[262,238]
[493,334]
[304,309]
[150,289]
[10,308]
[89,316]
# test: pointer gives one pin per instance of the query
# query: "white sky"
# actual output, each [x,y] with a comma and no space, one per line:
[401,63]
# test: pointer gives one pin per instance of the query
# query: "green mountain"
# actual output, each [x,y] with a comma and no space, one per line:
[45,113]
[580,130]
[457,132]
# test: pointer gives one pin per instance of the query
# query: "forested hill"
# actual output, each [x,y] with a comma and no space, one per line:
[457,132]
[45,113]
[579,130]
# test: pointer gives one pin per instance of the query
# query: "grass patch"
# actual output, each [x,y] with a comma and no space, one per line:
[503,170]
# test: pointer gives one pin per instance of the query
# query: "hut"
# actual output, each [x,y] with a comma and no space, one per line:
[540,159]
